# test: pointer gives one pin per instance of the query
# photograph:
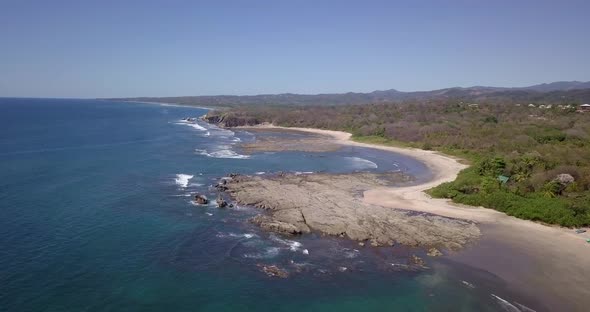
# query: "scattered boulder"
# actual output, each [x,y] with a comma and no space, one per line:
[564,179]
[201,199]
[433,252]
[273,271]
[415,260]
[221,203]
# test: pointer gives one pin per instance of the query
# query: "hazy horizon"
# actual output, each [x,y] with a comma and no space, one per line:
[65,49]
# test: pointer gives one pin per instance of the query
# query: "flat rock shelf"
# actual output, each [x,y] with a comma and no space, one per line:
[331,204]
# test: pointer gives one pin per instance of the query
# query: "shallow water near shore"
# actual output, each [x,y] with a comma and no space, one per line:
[96,216]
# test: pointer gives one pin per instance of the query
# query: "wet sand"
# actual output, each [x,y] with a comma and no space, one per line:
[549,263]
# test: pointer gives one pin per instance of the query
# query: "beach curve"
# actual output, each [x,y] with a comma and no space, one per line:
[554,258]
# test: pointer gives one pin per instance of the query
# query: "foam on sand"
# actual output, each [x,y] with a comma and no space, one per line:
[182,179]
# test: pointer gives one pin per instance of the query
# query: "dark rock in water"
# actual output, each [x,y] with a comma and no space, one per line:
[231,205]
[415,260]
[273,271]
[221,187]
[233,175]
[221,203]
[433,252]
[268,224]
[201,199]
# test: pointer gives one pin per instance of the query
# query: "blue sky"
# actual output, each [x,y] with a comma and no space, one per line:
[167,48]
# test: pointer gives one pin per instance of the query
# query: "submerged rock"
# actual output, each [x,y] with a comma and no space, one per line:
[433,252]
[415,260]
[273,271]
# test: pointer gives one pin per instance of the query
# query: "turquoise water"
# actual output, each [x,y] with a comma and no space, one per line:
[96,216]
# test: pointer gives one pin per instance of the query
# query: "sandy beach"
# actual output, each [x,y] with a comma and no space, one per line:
[547,262]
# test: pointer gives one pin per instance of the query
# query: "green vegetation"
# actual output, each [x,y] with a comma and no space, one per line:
[544,153]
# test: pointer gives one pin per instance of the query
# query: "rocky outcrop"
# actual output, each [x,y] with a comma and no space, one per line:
[331,204]
[269,224]
[227,119]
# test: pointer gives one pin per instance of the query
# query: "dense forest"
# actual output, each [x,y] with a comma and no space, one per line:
[532,162]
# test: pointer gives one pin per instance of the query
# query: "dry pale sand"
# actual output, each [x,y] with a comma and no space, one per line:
[556,268]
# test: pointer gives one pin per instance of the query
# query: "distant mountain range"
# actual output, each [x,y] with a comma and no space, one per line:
[555,92]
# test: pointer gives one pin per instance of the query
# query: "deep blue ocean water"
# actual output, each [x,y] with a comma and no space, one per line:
[95,215]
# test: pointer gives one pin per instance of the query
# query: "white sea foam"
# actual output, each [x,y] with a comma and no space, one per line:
[191,124]
[293,245]
[224,153]
[303,172]
[467,284]
[208,213]
[235,235]
[350,253]
[259,172]
[182,179]
[506,306]
[361,163]
[269,252]
[207,133]
[198,127]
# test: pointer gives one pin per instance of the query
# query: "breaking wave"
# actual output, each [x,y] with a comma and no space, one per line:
[224,153]
[506,306]
[183,179]
[191,124]
[361,163]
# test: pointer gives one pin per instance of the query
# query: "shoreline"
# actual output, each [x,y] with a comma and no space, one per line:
[555,258]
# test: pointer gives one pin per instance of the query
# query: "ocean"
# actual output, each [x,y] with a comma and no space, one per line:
[96,215]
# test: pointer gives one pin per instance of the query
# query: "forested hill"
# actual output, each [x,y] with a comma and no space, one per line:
[558,92]
[532,162]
